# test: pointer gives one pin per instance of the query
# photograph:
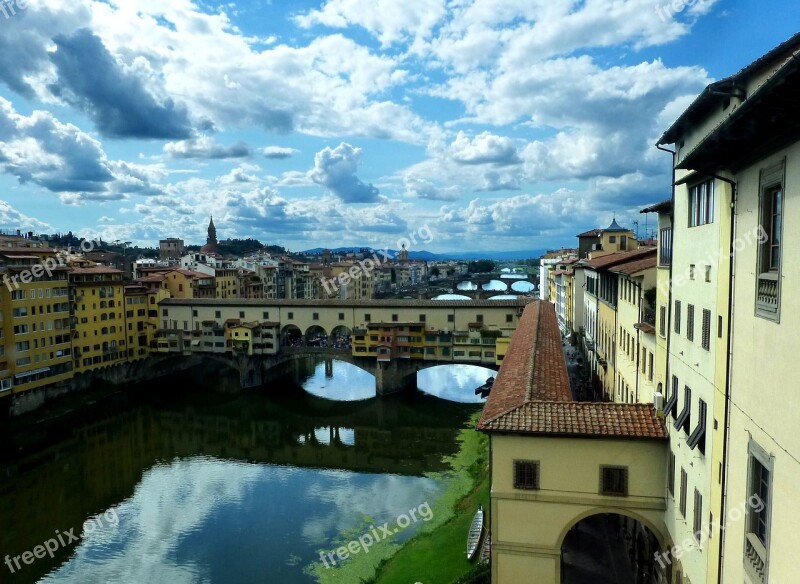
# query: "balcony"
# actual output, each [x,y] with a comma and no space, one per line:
[755,559]
[767,297]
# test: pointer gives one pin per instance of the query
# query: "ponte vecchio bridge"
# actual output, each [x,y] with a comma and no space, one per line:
[392,339]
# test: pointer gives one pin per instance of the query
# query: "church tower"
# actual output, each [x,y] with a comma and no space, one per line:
[211,246]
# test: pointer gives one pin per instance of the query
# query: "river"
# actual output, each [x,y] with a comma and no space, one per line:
[183,480]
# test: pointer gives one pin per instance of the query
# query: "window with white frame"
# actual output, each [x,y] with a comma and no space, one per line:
[770,247]
[701,203]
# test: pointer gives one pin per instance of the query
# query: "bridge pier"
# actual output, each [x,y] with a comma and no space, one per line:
[395,376]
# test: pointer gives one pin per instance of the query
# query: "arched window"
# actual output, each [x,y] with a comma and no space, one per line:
[103,304]
[104,331]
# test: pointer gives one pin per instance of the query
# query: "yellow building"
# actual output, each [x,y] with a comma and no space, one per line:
[99,333]
[255,338]
[556,464]
[662,301]
[600,314]
[636,343]
[141,318]
[599,242]
[35,347]
[741,359]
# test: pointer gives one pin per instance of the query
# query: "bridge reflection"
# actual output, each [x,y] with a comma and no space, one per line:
[89,462]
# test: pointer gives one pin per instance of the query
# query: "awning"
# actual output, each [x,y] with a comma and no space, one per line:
[195,342]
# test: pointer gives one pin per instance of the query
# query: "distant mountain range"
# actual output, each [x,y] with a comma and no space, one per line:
[430,256]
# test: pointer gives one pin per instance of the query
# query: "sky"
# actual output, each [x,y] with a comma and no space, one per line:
[491,124]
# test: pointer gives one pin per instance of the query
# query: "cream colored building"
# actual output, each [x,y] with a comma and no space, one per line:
[754,314]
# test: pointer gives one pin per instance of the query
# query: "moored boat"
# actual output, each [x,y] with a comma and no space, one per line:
[475,531]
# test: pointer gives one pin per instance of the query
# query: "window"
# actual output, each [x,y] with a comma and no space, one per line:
[691,271]
[526,474]
[682,496]
[422,318]
[290,315]
[662,317]
[614,481]
[394,318]
[315,316]
[367,317]
[690,322]
[509,318]
[341,316]
[478,318]
[194,314]
[698,516]
[612,239]
[265,315]
[678,316]
[706,340]
[665,246]
[701,204]
[698,437]
[217,314]
[684,418]
[451,318]
[671,474]
[771,238]
[241,314]
[759,491]
[708,273]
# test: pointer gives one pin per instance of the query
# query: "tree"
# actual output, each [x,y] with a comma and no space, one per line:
[481,267]
[435,272]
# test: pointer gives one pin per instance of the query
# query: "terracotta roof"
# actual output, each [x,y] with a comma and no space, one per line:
[590,233]
[635,266]
[583,419]
[533,368]
[619,257]
[532,395]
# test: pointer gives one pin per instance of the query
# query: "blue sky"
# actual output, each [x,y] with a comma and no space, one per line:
[497,124]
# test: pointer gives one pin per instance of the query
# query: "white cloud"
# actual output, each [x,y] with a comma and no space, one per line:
[335,169]
[204,147]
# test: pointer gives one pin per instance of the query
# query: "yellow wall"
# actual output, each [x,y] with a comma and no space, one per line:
[100,329]
[528,527]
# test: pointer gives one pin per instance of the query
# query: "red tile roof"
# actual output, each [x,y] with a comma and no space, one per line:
[619,257]
[635,266]
[533,368]
[532,394]
[590,233]
[582,419]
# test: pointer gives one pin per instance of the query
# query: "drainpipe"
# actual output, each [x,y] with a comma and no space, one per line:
[668,329]
[728,364]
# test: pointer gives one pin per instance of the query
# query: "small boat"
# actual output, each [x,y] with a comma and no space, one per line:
[475,531]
